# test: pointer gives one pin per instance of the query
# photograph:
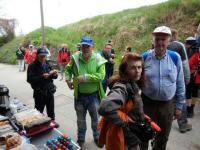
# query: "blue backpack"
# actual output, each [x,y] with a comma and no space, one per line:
[172,54]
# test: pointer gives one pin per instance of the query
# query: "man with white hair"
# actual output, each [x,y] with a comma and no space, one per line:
[165,83]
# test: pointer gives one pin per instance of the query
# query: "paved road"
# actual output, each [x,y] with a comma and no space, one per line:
[65,114]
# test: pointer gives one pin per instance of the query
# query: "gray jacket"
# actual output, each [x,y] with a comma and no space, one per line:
[180,49]
[116,98]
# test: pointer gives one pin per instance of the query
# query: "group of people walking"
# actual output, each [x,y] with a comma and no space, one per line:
[157,83]
[26,56]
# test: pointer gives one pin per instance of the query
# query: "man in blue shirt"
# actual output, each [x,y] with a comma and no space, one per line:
[165,83]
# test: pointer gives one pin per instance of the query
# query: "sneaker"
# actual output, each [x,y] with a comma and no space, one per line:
[188,127]
[80,143]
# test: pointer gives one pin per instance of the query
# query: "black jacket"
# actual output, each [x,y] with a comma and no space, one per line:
[35,78]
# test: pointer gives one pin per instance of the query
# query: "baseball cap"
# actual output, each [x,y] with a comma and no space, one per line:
[86,41]
[162,29]
[190,38]
[190,41]
[30,46]
[42,51]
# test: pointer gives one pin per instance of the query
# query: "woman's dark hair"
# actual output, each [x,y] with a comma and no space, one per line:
[128,49]
[122,75]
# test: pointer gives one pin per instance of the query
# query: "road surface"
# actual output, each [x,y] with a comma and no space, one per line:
[66,117]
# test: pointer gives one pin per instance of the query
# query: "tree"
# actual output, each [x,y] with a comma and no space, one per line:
[7,28]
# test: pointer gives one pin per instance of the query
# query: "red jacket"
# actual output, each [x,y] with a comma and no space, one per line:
[30,57]
[63,57]
[194,63]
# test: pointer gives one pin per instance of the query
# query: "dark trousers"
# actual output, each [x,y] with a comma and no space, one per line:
[162,113]
[42,100]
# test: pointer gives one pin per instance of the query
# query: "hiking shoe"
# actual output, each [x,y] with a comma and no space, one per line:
[188,127]
[80,143]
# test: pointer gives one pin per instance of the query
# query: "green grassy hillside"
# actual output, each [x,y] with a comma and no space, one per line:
[130,27]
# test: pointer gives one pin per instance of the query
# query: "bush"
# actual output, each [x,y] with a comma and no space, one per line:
[130,27]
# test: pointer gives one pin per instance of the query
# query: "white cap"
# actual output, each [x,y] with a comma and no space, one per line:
[190,38]
[30,45]
[162,29]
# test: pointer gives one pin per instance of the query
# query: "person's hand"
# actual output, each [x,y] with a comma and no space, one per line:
[178,113]
[70,84]
[112,61]
[53,72]
[45,75]
[113,56]
[80,79]
[187,82]
[131,120]
[189,102]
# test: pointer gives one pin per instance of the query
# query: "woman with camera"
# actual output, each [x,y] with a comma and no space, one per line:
[63,58]
[123,106]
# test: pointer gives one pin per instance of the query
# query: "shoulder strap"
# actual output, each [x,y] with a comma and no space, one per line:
[173,56]
[145,55]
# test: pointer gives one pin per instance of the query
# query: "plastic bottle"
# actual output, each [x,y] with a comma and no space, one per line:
[13,106]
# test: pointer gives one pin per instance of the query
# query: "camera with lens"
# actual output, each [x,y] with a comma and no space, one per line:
[112,56]
[143,130]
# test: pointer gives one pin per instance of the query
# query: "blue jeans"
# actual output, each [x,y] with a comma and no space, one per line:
[83,104]
[182,121]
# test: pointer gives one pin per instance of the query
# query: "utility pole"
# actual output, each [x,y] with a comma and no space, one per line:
[42,22]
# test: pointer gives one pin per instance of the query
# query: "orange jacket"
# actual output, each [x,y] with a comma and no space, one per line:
[111,135]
